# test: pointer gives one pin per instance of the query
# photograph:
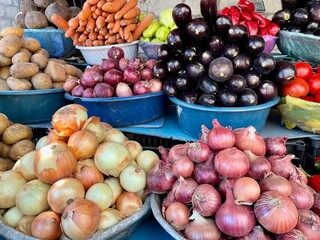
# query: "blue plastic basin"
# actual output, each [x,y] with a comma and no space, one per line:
[125,111]
[31,106]
[192,116]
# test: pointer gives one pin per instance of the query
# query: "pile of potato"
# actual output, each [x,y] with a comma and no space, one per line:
[36,14]
[15,142]
[24,65]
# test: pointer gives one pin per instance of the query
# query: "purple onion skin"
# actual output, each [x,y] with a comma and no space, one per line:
[131,76]
[123,64]
[103,90]
[141,87]
[137,63]
[88,93]
[77,91]
[91,76]
[109,63]
[113,77]
[115,53]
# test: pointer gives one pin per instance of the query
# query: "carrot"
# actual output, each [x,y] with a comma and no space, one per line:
[60,22]
[83,37]
[110,18]
[97,43]
[125,22]
[98,11]
[104,14]
[94,15]
[100,37]
[128,29]
[107,35]
[103,30]
[101,3]
[88,43]
[92,2]
[121,32]
[81,29]
[74,22]
[113,7]
[116,26]
[93,8]
[100,22]
[110,0]
[134,12]
[143,24]
[130,38]
[120,40]
[83,23]
[127,7]
[69,33]
[90,24]
[85,13]
[110,25]
[93,36]
[112,39]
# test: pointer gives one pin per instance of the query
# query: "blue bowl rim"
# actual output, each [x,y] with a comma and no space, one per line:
[30,92]
[283,33]
[266,105]
[114,99]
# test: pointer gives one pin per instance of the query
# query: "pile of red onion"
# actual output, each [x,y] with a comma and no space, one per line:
[235,184]
[116,76]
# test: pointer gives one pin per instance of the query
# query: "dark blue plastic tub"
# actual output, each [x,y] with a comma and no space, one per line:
[125,111]
[31,106]
[192,116]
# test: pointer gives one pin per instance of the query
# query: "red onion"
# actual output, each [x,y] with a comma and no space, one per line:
[206,173]
[316,205]
[77,91]
[309,224]
[276,145]
[301,195]
[198,152]
[91,76]
[299,173]
[141,87]
[123,64]
[206,200]
[275,212]
[103,90]
[113,77]
[218,137]
[177,151]
[168,199]
[183,189]
[123,90]
[137,63]
[256,234]
[115,53]
[246,191]
[131,76]
[294,234]
[273,182]
[259,165]
[164,153]
[201,228]
[234,220]
[146,74]
[150,63]
[177,214]
[108,64]
[225,184]
[88,93]
[282,165]
[155,85]
[231,163]
[183,167]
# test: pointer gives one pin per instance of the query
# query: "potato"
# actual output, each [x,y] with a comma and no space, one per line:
[72,70]
[5,164]
[42,3]
[27,5]
[5,61]
[26,51]
[4,123]
[24,70]
[41,81]
[19,20]
[32,44]
[20,148]
[17,31]
[16,132]
[39,59]
[55,71]
[58,9]
[63,3]
[73,11]
[4,73]
[57,60]
[43,52]
[35,20]
[10,45]
[18,84]
[57,85]
[4,150]
[4,85]
[20,57]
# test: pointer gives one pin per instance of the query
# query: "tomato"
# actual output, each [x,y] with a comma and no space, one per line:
[314,84]
[309,98]
[317,98]
[298,87]
[304,70]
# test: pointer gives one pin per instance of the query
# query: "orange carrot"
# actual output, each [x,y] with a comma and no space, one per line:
[83,23]
[125,22]
[93,8]
[110,0]
[113,7]
[100,22]
[134,12]
[121,33]
[110,18]
[100,37]
[74,22]
[143,24]
[103,30]
[101,3]
[94,15]
[116,26]
[130,38]
[88,43]
[60,22]
[85,13]
[81,29]
[128,29]
[98,11]
[93,36]
[120,40]
[104,14]
[83,37]
[110,25]
[91,24]
[128,6]
[92,2]
[107,35]
[69,33]
[97,43]
[112,39]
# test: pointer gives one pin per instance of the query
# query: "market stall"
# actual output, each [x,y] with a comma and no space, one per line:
[118,123]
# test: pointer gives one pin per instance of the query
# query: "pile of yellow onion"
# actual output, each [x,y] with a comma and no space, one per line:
[83,176]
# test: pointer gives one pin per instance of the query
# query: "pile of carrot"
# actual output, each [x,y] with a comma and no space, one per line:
[105,22]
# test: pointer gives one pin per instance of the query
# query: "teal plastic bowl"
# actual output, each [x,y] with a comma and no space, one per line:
[125,111]
[32,106]
[192,116]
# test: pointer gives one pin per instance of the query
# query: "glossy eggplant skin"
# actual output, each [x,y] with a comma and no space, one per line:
[264,63]
[181,14]
[247,97]
[222,24]
[198,29]
[284,72]
[175,39]
[281,17]
[220,69]
[266,90]
[208,9]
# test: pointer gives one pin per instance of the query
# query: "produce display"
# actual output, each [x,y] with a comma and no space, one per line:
[24,65]
[217,61]
[235,184]
[116,76]
[82,173]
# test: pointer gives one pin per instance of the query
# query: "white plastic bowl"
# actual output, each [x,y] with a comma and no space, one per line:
[94,55]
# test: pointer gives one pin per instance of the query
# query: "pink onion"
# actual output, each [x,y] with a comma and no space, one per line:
[123,90]
[155,85]
[141,87]
[150,63]
[177,214]
[282,165]
[177,151]
[309,224]
[131,75]
[273,182]
[294,234]
[206,173]
[91,76]
[77,91]
[146,74]
[108,64]
[183,167]
[316,205]
[198,152]
[113,77]
[168,199]
[301,195]
[246,191]
[123,64]
[103,90]
[276,145]
[225,184]
[137,63]
[256,234]
[88,93]
[115,53]
[259,165]
[183,189]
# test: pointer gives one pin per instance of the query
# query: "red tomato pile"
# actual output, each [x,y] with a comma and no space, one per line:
[306,85]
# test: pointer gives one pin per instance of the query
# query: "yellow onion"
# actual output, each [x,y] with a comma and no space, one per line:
[84,143]
[46,226]
[26,166]
[106,126]
[147,160]
[69,118]
[114,184]
[24,224]
[12,216]
[109,217]
[53,136]
[10,184]
[80,220]
[115,135]
[87,173]
[101,194]
[54,162]
[133,147]
[63,192]
[111,158]
[93,124]
[44,141]
[32,197]
[128,203]
[133,178]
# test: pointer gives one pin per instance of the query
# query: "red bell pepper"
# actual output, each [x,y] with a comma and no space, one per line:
[263,31]
[262,20]
[245,16]
[235,15]
[273,29]
[252,27]
[317,163]
[314,182]
[246,6]
[224,11]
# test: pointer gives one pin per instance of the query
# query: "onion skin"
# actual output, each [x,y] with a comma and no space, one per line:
[183,167]
[115,53]
[273,182]
[316,206]
[276,145]
[256,234]
[198,152]
[183,189]
[177,214]
[246,191]
[84,143]
[128,203]
[301,194]
[24,224]
[294,234]
[91,76]
[177,151]
[259,165]
[46,225]
[282,165]
[309,224]
[206,173]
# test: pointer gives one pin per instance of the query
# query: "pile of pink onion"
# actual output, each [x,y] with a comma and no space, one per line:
[235,184]
[116,76]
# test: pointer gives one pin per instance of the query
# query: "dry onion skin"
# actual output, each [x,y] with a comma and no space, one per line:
[26,166]
[46,225]
[24,224]
[101,194]
[12,216]
[93,124]
[109,217]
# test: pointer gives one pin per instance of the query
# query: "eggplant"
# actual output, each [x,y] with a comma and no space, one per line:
[164,52]
[160,69]
[198,29]
[255,45]
[266,91]
[220,69]
[207,99]
[216,44]
[207,85]
[311,26]
[299,17]
[227,98]
[205,58]
[284,72]
[252,78]
[291,4]
[294,28]
[238,33]
[195,69]
[189,96]
[314,10]
[208,9]
[183,82]
[281,17]
[235,83]
[190,54]
[181,14]
[174,39]
[241,63]
[317,32]
[175,64]
[264,63]
[169,88]
[231,51]
[247,97]
[222,24]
